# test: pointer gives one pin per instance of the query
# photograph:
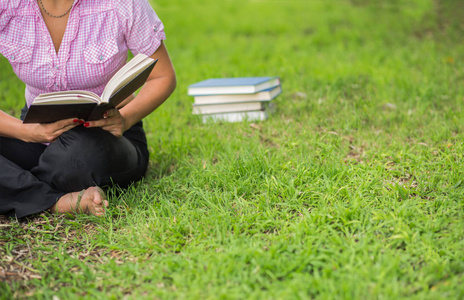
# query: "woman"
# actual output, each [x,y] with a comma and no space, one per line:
[56,45]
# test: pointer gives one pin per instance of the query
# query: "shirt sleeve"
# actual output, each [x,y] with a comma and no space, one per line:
[6,11]
[9,4]
[142,27]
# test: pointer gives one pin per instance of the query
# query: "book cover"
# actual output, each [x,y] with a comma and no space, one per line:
[238,85]
[229,107]
[265,95]
[236,116]
[51,107]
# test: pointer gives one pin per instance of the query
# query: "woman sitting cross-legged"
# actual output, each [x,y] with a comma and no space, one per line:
[59,45]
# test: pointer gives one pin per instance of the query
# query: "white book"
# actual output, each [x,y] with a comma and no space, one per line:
[236,116]
[265,95]
[229,107]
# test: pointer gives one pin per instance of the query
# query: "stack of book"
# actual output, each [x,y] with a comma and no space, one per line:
[234,99]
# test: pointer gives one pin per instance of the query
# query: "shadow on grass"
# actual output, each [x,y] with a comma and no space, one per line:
[446,17]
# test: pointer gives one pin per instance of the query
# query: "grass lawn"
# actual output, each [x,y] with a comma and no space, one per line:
[352,189]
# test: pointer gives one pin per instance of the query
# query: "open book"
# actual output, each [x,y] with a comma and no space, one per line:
[51,107]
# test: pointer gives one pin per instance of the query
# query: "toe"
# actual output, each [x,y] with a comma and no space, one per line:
[97,201]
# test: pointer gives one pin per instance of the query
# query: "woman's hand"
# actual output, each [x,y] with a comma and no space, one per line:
[112,121]
[158,87]
[48,132]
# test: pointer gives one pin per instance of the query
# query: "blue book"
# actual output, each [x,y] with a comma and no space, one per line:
[238,85]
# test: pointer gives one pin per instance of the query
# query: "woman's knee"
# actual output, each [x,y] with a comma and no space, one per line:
[85,157]
[80,150]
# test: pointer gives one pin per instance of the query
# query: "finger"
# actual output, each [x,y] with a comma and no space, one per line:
[97,123]
[110,113]
[109,121]
[60,127]
[65,128]
[65,122]
[71,126]
[114,130]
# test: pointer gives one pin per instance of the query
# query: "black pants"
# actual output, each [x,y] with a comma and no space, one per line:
[34,176]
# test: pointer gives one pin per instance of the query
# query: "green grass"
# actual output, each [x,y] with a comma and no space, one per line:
[353,189]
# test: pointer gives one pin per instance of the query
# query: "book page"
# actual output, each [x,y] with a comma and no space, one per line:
[67,97]
[126,74]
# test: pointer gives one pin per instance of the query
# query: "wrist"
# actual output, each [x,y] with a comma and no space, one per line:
[127,119]
[18,130]
[22,132]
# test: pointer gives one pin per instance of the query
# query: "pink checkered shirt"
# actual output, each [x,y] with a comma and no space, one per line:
[95,45]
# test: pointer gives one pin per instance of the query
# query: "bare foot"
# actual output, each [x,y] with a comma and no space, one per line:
[90,201]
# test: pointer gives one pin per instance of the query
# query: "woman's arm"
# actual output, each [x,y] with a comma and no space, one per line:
[158,87]
[37,133]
